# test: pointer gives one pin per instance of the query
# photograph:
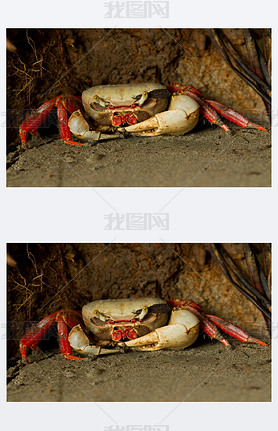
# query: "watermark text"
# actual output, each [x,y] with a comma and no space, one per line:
[136,9]
[137,221]
[137,428]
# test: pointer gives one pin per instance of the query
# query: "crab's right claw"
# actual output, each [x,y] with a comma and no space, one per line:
[80,128]
[181,332]
[81,344]
[181,117]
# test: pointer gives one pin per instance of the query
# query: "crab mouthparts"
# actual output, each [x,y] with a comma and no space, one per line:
[122,119]
[122,334]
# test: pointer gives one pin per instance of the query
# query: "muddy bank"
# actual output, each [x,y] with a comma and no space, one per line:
[204,372]
[205,157]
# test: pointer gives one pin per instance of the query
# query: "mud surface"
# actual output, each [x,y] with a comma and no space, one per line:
[205,372]
[207,157]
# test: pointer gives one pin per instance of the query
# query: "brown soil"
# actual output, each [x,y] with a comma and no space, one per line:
[203,372]
[207,157]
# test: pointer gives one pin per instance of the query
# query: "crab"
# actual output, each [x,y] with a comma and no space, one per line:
[148,324]
[116,111]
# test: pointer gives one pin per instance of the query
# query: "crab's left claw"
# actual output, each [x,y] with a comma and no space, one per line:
[80,128]
[181,332]
[210,323]
[181,117]
[210,108]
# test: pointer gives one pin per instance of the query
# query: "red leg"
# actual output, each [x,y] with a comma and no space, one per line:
[212,331]
[34,121]
[72,318]
[234,116]
[211,115]
[35,335]
[71,103]
[208,327]
[182,303]
[233,330]
[210,323]
[65,132]
[210,108]
[206,324]
[179,88]
[63,318]
[208,112]
[63,333]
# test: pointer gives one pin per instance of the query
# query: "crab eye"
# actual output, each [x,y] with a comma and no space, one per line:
[143,313]
[143,98]
[98,315]
[98,100]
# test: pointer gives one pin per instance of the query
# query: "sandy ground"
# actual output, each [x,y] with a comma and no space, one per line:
[205,157]
[204,372]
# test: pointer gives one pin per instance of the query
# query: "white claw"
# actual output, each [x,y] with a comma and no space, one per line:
[77,124]
[181,332]
[81,343]
[80,128]
[181,117]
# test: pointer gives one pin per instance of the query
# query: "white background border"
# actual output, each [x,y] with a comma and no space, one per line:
[196,215]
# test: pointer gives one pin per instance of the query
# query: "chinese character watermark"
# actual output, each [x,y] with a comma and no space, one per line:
[137,428]
[137,221]
[13,330]
[137,9]
[274,118]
